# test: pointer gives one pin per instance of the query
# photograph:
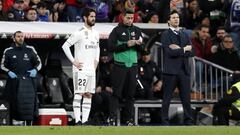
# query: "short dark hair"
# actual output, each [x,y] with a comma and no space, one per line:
[227,36]
[31,9]
[173,12]
[128,11]
[221,28]
[41,5]
[199,27]
[87,11]
[14,34]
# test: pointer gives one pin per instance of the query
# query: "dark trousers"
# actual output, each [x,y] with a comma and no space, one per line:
[100,107]
[124,87]
[170,82]
[222,114]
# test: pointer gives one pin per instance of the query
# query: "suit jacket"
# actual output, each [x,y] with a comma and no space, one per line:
[175,60]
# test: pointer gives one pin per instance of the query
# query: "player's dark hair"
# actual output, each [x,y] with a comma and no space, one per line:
[87,11]
[14,34]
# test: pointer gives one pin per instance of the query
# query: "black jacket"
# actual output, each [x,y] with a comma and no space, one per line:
[175,60]
[21,92]
[117,43]
[20,59]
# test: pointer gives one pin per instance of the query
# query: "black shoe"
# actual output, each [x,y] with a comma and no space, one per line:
[188,122]
[79,123]
[112,122]
[215,120]
[130,123]
[87,123]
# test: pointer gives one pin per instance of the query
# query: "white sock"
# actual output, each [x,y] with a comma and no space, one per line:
[77,107]
[86,107]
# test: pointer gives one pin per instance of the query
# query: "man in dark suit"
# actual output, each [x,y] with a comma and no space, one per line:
[176,71]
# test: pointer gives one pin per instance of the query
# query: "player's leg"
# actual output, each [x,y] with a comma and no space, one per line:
[87,98]
[77,107]
[86,106]
[77,99]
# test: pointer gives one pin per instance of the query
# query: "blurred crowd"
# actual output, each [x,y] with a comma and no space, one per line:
[212,13]
[193,12]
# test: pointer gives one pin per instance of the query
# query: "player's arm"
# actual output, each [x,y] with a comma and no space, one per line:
[66,48]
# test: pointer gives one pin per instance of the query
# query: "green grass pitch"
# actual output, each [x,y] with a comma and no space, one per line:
[121,130]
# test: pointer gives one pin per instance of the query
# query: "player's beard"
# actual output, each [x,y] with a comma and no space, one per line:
[91,23]
[19,42]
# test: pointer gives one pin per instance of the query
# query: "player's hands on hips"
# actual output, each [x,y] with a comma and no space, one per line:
[78,64]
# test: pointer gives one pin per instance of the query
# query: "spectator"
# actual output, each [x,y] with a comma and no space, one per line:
[177,50]
[164,10]
[61,8]
[21,63]
[7,4]
[147,70]
[117,8]
[202,42]
[26,4]
[85,62]
[234,18]
[2,13]
[177,5]
[215,9]
[74,10]
[205,21]
[31,15]
[102,9]
[227,56]
[34,3]
[193,15]
[124,47]
[129,5]
[228,107]
[43,12]
[145,8]
[202,46]
[152,18]
[16,12]
[217,39]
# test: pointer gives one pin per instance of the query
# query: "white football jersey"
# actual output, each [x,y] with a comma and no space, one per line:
[86,48]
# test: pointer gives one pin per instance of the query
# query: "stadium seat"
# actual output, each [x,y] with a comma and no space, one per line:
[57,86]
[3,81]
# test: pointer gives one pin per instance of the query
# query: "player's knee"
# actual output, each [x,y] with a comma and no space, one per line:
[77,100]
[77,96]
[87,95]
[87,100]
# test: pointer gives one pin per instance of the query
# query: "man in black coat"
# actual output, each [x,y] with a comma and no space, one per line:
[147,70]
[176,71]
[21,63]
[229,106]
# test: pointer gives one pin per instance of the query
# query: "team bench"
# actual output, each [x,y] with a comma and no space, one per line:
[197,105]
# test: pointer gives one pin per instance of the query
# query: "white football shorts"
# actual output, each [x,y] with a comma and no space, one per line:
[84,82]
